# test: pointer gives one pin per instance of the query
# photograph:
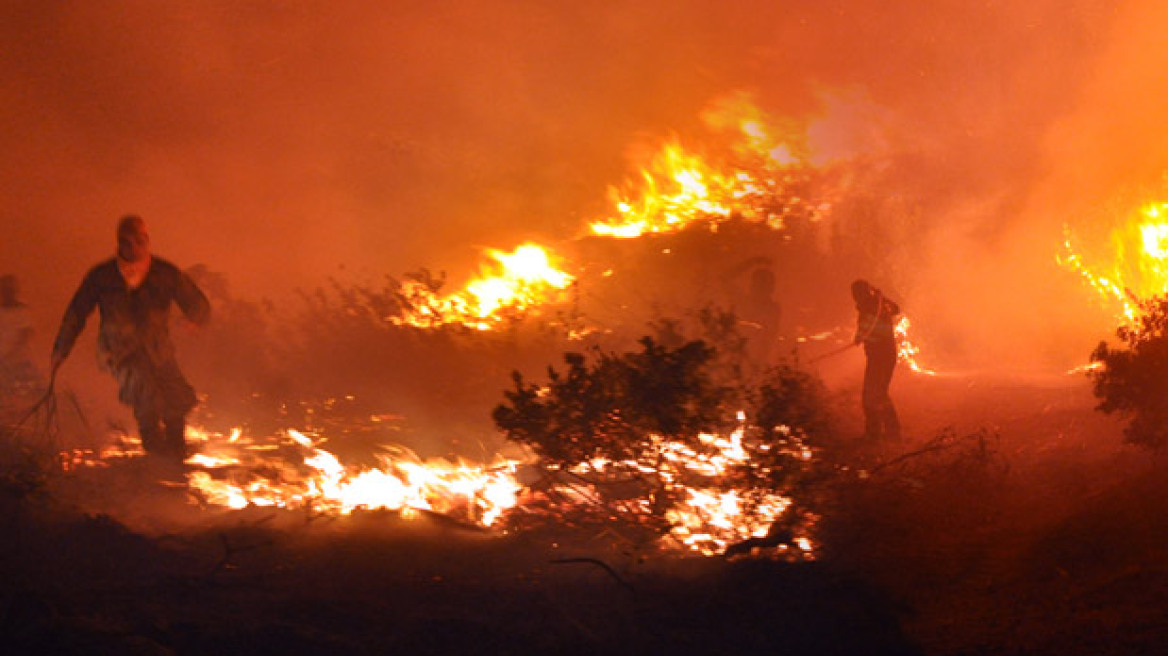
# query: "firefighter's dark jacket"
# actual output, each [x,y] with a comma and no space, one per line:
[134,322]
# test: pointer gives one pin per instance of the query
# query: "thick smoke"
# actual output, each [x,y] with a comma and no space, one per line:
[281,143]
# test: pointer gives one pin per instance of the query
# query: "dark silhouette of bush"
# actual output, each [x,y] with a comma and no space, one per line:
[615,406]
[1133,379]
[628,425]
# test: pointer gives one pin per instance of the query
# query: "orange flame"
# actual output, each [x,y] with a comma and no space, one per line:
[518,281]
[402,481]
[1138,269]
[679,188]
[906,350]
[710,519]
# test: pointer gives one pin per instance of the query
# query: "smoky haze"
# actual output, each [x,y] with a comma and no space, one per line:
[284,142]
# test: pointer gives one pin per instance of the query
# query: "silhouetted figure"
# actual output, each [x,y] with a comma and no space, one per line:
[757,310]
[133,292]
[17,372]
[875,326]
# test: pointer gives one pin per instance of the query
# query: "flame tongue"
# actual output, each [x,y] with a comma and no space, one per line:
[710,515]
[518,280]
[906,350]
[678,189]
[526,275]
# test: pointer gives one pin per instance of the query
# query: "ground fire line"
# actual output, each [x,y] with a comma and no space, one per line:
[293,471]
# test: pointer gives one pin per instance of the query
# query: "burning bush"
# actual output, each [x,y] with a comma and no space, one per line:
[652,437]
[1131,379]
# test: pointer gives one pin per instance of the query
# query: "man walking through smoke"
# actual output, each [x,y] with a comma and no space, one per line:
[875,329]
[133,292]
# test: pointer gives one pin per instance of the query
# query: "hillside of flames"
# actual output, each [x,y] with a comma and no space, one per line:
[758,179]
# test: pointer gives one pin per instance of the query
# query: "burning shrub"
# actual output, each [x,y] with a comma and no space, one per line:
[1131,380]
[787,407]
[654,437]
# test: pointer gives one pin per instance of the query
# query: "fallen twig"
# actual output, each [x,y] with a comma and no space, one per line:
[230,551]
[939,443]
[948,439]
[601,564]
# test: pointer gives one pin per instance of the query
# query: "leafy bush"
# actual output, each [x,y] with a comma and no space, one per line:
[1132,380]
[616,406]
[645,433]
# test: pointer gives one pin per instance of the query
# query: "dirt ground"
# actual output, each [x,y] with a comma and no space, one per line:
[1030,529]
[1049,539]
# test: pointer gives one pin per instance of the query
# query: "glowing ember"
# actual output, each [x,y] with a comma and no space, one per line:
[519,280]
[1138,266]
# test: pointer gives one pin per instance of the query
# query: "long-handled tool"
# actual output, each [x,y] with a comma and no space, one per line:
[831,353]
